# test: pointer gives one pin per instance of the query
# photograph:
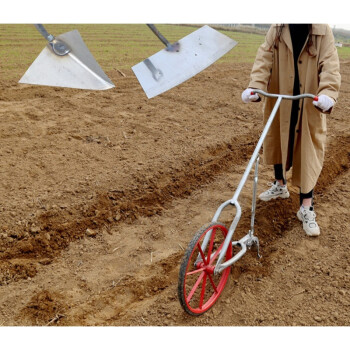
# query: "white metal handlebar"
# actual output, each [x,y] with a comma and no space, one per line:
[286,97]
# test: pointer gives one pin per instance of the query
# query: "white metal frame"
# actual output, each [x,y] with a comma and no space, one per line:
[250,239]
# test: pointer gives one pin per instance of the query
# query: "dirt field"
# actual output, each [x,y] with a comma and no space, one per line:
[101,192]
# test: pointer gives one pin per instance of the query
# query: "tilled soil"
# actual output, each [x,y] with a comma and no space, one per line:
[101,192]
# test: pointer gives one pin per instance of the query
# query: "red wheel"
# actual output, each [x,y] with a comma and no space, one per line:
[198,287]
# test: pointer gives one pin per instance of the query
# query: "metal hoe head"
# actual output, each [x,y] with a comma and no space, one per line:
[67,62]
[169,68]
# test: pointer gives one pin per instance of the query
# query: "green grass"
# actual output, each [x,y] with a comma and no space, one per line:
[344,53]
[113,45]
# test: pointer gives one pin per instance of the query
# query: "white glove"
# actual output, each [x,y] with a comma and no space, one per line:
[324,102]
[248,97]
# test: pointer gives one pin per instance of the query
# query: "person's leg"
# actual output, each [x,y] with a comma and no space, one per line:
[307,215]
[278,188]
[306,199]
[279,174]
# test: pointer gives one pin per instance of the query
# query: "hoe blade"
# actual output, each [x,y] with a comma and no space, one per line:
[167,69]
[78,69]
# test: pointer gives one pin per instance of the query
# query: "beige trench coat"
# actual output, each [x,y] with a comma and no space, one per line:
[273,71]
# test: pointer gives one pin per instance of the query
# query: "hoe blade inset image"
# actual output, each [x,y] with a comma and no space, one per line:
[77,69]
[169,68]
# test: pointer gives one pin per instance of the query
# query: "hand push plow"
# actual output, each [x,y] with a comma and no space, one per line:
[206,265]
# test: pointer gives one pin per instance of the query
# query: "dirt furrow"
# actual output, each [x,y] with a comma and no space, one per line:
[273,223]
[153,286]
[149,198]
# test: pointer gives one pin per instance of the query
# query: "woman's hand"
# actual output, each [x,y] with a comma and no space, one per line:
[248,97]
[324,103]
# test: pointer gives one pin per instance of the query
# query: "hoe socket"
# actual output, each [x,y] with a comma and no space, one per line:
[59,47]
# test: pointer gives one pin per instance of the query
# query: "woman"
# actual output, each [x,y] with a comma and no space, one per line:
[297,59]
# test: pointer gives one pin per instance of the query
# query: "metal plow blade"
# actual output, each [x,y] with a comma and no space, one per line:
[78,69]
[167,69]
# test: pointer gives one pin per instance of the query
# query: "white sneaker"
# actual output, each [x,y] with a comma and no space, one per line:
[307,215]
[275,191]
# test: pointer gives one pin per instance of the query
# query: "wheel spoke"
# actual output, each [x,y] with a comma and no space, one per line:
[212,283]
[195,271]
[216,254]
[203,291]
[195,287]
[201,252]
[211,243]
